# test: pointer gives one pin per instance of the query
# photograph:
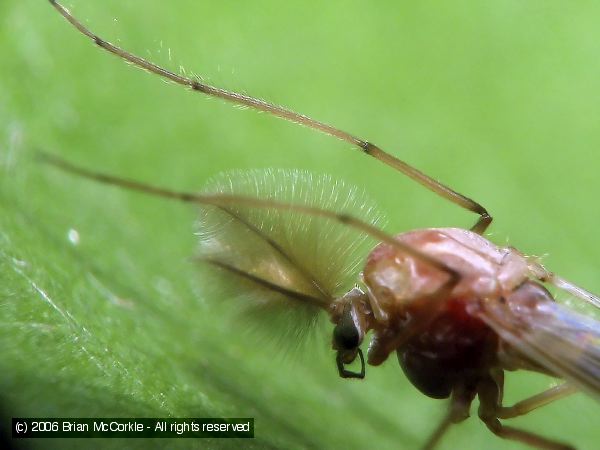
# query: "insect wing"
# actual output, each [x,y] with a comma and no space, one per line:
[551,335]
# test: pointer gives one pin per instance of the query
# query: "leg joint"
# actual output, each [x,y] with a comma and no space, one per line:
[99,41]
[367,147]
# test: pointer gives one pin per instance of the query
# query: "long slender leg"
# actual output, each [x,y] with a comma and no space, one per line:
[460,404]
[543,274]
[536,401]
[532,439]
[225,200]
[370,149]
[489,404]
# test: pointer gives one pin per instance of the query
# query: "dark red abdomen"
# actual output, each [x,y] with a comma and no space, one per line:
[454,348]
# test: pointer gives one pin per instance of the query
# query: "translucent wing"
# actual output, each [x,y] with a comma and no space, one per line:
[552,336]
[284,263]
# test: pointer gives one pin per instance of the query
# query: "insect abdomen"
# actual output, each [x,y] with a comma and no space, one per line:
[454,348]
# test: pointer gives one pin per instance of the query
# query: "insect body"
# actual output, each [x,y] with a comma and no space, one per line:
[456,339]
[456,309]
[403,289]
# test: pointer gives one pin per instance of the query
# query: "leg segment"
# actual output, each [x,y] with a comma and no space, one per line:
[458,411]
[531,439]
[537,401]
[490,406]
[544,275]
[226,200]
[286,114]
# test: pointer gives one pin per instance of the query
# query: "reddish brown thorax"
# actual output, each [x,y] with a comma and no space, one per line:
[454,344]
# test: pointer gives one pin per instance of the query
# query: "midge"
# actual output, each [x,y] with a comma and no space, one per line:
[456,309]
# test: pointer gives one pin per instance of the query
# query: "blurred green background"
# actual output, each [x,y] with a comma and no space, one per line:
[499,100]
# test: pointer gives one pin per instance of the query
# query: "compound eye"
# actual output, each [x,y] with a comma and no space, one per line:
[345,334]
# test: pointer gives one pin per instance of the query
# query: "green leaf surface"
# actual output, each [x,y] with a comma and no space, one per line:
[103,312]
